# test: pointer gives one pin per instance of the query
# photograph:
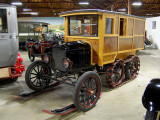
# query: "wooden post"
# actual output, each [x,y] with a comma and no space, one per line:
[112,8]
[129,6]
[66,28]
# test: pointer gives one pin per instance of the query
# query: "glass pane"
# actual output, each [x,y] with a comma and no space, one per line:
[3,21]
[37,28]
[83,25]
[153,24]
[30,28]
[109,24]
[22,27]
[45,28]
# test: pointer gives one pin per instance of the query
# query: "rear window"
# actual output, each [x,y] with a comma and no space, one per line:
[3,21]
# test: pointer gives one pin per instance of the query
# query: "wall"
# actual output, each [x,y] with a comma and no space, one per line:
[56,23]
[50,20]
[154,32]
[25,19]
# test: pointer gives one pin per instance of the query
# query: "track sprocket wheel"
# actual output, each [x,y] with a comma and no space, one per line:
[132,68]
[115,73]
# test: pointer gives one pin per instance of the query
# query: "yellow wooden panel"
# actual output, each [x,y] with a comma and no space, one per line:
[130,27]
[125,44]
[116,24]
[139,27]
[82,37]
[110,44]
[81,13]
[108,58]
[101,32]
[138,42]
[66,28]
[124,55]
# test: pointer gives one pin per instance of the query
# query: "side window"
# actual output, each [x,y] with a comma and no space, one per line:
[22,27]
[3,21]
[109,25]
[153,24]
[30,28]
[123,26]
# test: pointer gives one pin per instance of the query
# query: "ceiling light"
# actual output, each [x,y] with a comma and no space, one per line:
[149,14]
[136,3]
[27,9]
[83,3]
[34,13]
[122,9]
[16,3]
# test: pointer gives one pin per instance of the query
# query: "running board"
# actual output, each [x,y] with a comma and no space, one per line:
[25,96]
[62,111]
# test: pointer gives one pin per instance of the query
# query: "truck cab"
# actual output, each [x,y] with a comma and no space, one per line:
[10,63]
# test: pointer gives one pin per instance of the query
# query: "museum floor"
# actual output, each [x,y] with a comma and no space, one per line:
[123,103]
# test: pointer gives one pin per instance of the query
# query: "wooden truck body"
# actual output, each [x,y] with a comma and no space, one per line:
[118,35]
[97,42]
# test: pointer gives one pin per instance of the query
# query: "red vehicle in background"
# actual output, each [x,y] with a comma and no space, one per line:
[43,47]
[11,66]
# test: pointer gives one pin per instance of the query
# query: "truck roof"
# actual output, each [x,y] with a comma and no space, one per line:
[6,5]
[98,10]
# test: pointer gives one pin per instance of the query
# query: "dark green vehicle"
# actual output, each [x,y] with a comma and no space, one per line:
[30,30]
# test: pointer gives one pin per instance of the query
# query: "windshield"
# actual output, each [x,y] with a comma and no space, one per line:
[83,25]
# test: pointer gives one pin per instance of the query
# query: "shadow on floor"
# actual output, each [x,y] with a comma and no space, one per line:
[7,83]
[143,53]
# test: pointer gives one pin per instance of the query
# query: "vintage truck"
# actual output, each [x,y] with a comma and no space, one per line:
[96,42]
[11,65]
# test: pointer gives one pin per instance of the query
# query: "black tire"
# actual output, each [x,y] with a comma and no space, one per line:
[39,74]
[151,115]
[31,56]
[86,93]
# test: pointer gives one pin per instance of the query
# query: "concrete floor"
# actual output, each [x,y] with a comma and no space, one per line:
[123,103]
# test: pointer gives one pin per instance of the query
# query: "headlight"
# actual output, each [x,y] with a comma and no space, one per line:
[46,58]
[66,62]
[36,46]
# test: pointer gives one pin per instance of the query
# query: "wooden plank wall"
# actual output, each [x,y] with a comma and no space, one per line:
[119,47]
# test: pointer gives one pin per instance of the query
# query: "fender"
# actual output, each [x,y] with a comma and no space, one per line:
[151,96]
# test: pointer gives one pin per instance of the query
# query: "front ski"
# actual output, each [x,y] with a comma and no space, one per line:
[62,111]
[25,96]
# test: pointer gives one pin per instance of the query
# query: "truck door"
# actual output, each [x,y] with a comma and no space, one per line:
[7,56]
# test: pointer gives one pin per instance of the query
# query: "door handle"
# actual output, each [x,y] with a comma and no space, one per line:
[2,37]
